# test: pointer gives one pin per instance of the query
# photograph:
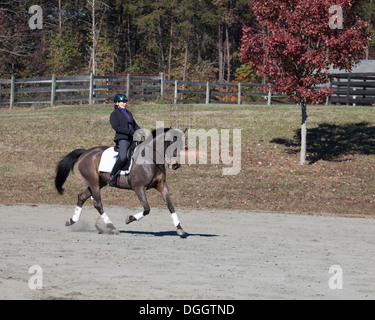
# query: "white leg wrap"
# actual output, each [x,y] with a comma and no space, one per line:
[106,219]
[139,216]
[77,214]
[176,221]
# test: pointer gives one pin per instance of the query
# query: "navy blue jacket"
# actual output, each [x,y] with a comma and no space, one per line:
[120,124]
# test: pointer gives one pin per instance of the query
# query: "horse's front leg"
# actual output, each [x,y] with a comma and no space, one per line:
[163,189]
[141,194]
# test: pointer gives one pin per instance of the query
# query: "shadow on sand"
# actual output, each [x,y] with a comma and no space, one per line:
[167,234]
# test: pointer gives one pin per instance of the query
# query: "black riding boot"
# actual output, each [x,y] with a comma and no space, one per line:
[115,171]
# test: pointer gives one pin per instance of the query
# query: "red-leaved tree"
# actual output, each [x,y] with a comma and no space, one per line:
[295,43]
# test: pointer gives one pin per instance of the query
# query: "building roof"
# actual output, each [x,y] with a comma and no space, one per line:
[365,66]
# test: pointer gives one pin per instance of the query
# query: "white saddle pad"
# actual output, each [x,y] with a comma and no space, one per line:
[108,160]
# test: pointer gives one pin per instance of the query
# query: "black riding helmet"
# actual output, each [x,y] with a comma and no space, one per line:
[120,97]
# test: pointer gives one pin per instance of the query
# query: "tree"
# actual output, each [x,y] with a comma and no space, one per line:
[21,48]
[367,13]
[297,41]
[229,15]
[67,55]
[68,37]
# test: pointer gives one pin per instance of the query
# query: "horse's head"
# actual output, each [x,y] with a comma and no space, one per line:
[174,143]
[172,140]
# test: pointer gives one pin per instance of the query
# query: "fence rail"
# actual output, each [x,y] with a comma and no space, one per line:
[92,88]
[347,89]
[353,89]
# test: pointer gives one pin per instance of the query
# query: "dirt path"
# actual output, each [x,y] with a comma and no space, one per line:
[226,255]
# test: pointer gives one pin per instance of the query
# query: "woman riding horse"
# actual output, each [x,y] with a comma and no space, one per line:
[122,121]
[146,173]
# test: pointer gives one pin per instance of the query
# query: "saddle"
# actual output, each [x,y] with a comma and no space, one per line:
[110,156]
[129,155]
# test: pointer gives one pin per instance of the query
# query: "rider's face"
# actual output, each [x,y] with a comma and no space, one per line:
[122,104]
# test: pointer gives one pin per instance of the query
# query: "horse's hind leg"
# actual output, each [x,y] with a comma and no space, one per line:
[99,206]
[82,197]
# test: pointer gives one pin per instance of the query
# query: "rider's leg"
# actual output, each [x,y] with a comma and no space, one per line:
[121,160]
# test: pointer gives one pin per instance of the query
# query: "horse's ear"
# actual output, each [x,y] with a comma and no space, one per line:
[186,140]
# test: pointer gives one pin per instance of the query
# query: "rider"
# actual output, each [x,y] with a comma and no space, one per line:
[123,123]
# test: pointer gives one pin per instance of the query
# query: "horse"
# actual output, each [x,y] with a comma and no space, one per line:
[147,171]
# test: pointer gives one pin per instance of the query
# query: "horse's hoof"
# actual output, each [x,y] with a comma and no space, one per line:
[69,222]
[112,229]
[107,229]
[114,232]
[130,219]
[180,231]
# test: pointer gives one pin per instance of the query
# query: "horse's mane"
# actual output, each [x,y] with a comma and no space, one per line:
[153,132]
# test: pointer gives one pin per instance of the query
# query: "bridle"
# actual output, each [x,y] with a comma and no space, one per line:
[169,161]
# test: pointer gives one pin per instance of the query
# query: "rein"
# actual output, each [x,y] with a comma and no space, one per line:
[154,161]
[157,165]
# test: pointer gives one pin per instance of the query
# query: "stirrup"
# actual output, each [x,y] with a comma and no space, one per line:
[112,180]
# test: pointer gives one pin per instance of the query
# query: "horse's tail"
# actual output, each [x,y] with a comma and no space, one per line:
[64,167]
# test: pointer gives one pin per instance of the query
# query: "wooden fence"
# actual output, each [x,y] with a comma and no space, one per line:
[88,88]
[215,92]
[349,89]
[92,89]
[353,89]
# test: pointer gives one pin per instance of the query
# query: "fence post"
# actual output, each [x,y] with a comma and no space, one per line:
[269,100]
[128,85]
[208,93]
[162,90]
[175,91]
[91,94]
[348,90]
[53,90]
[239,93]
[12,91]
[329,97]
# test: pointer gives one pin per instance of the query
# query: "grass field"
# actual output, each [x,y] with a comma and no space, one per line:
[339,179]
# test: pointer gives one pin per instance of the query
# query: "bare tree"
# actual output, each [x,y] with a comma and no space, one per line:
[17,40]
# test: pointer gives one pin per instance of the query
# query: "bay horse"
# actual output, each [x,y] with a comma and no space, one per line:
[148,171]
